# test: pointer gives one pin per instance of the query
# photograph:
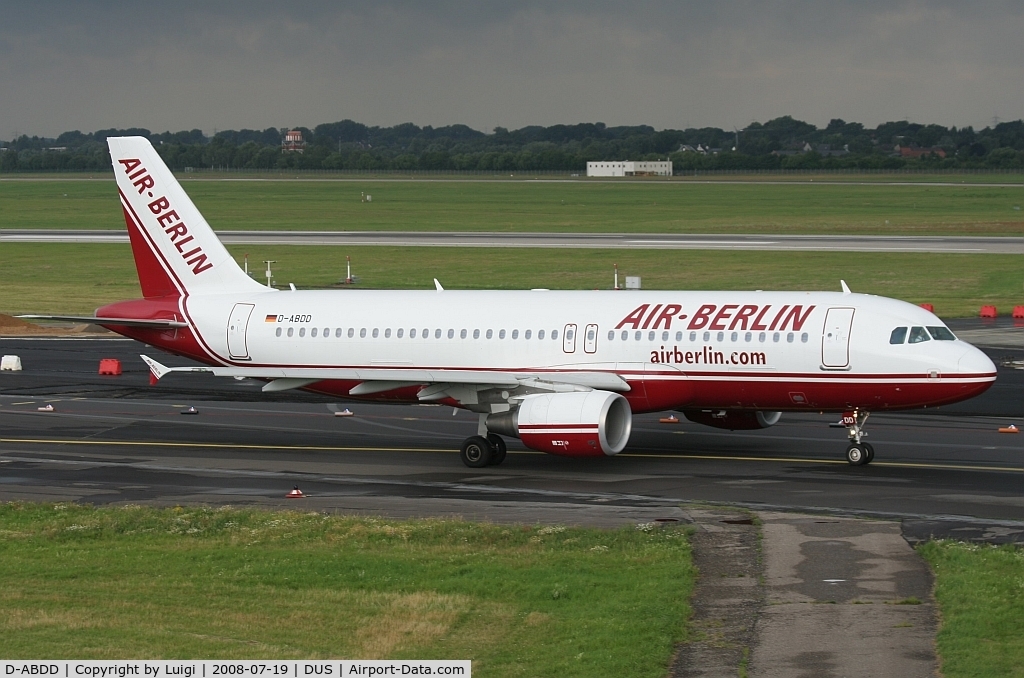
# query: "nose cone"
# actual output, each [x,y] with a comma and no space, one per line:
[973,361]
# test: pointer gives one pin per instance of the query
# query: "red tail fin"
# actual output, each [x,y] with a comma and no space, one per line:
[154,280]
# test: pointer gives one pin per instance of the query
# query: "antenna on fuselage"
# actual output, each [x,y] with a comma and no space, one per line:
[438,285]
[846,288]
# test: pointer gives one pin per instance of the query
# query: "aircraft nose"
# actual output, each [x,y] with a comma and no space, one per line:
[974,361]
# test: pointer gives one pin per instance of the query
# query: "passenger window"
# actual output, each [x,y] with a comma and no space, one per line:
[804,337]
[501,334]
[387,333]
[941,334]
[917,335]
[789,337]
[490,333]
[761,337]
[337,332]
[748,336]
[664,336]
[278,333]
[693,336]
[527,334]
[362,333]
[476,334]
[638,335]
[707,336]
[291,331]
[351,332]
[734,336]
[625,335]
[312,332]
[327,332]
[554,335]
[399,333]
[451,334]
[375,332]
[898,336]
[611,335]
[650,336]
[515,334]
[462,334]
[679,336]
[590,335]
[540,334]
[425,333]
[721,336]
[302,331]
[775,337]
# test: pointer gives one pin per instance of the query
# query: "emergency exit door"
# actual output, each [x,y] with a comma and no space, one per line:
[835,338]
[238,323]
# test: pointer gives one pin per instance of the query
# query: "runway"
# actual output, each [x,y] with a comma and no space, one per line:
[841,243]
[116,439]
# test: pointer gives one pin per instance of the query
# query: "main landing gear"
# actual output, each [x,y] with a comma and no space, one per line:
[859,453]
[480,451]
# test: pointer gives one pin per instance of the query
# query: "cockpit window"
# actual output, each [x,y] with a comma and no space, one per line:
[941,334]
[898,336]
[918,334]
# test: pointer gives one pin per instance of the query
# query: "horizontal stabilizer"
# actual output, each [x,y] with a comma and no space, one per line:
[122,322]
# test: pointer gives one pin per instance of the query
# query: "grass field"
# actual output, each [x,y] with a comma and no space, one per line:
[637,207]
[133,582]
[77,278]
[980,591]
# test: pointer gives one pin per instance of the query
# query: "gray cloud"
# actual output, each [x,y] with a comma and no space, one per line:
[169,66]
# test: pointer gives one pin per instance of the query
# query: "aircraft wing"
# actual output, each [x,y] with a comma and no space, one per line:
[124,322]
[438,382]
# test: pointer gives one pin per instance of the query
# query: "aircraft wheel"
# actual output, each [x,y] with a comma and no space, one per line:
[857,454]
[869,448]
[498,448]
[476,452]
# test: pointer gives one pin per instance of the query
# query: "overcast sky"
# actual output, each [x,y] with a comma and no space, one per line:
[88,65]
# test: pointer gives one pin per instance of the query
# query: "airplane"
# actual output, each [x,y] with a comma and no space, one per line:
[563,371]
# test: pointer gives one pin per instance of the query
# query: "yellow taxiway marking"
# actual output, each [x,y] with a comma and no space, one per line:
[324,448]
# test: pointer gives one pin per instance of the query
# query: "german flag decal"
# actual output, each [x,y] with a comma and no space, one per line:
[271,319]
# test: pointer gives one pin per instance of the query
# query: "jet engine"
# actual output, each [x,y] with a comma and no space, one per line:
[588,424]
[733,420]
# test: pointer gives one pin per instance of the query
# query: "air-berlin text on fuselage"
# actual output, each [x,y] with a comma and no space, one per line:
[167,218]
[724,317]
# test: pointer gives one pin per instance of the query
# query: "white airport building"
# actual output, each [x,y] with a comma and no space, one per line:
[630,168]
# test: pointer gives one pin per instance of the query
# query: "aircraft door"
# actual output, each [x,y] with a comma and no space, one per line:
[590,339]
[238,323]
[835,338]
[569,339]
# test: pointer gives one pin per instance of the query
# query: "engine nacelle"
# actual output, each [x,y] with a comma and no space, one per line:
[733,420]
[588,424]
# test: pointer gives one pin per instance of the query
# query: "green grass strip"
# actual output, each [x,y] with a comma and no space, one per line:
[135,582]
[77,278]
[980,591]
[514,206]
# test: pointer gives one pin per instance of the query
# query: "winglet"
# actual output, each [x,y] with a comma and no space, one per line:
[438,285]
[159,371]
[155,368]
[846,288]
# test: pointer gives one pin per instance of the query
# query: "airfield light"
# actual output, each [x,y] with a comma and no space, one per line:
[270,274]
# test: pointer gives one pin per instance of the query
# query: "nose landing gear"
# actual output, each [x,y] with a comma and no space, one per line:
[858,453]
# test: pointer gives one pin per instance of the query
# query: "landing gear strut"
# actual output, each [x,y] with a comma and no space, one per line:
[480,451]
[858,453]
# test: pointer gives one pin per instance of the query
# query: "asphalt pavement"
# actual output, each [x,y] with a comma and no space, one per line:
[840,243]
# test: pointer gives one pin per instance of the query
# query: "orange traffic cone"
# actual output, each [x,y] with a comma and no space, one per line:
[296,493]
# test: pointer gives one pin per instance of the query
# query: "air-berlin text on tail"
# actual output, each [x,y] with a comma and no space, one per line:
[167,218]
[725,317]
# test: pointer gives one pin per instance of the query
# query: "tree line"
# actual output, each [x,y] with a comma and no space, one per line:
[781,143]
